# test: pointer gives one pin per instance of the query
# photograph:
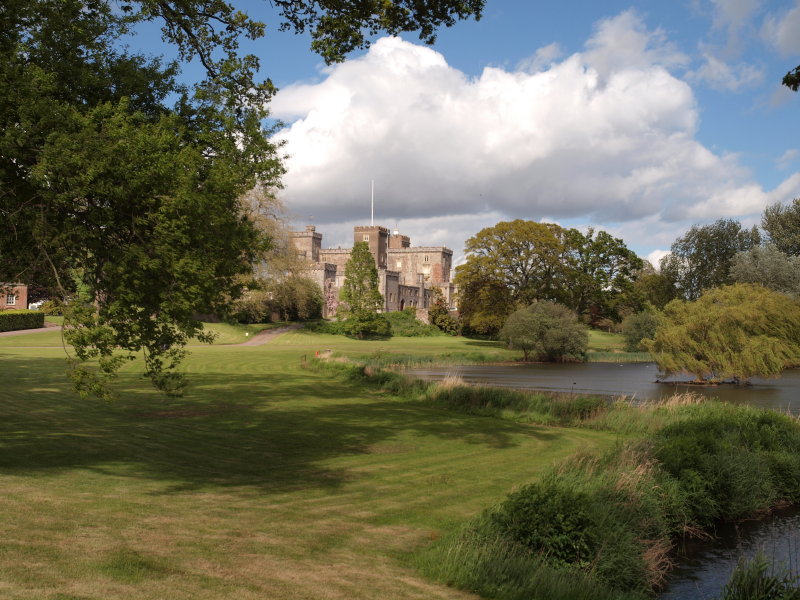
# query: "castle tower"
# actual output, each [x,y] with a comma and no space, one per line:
[378,239]
[308,242]
[399,241]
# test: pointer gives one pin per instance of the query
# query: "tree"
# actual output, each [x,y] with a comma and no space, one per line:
[637,327]
[279,283]
[701,258]
[546,331]
[111,170]
[361,297]
[599,275]
[653,288]
[782,225]
[439,315]
[732,332]
[768,266]
[518,262]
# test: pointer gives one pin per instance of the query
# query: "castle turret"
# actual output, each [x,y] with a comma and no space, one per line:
[378,240]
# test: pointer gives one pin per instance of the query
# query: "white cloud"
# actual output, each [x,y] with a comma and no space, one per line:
[782,31]
[543,58]
[654,258]
[605,136]
[722,76]
[787,158]
[734,14]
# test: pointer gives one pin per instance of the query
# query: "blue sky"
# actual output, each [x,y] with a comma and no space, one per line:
[641,118]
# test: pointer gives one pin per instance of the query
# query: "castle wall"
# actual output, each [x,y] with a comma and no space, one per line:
[407,274]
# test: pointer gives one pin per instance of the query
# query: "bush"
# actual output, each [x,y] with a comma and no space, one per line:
[546,331]
[405,323]
[13,320]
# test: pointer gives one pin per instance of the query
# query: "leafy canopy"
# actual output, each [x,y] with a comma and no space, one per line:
[732,332]
[781,222]
[701,258]
[120,188]
[515,263]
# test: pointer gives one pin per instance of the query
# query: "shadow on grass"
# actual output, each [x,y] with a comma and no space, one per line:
[270,432]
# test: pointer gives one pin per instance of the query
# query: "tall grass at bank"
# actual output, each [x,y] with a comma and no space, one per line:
[603,526]
[453,394]
[614,518]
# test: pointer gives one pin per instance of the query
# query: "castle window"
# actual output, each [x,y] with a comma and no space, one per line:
[426,258]
[11,299]
[366,237]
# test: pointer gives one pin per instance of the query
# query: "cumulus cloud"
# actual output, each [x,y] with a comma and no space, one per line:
[606,136]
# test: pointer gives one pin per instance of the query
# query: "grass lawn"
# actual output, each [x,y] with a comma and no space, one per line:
[603,341]
[226,334]
[265,481]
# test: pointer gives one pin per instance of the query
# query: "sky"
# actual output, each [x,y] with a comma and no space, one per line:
[641,118]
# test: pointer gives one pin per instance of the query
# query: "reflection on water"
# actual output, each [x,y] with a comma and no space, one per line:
[633,380]
[707,566]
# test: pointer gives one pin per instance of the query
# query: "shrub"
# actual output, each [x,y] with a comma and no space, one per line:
[405,323]
[12,320]
[546,331]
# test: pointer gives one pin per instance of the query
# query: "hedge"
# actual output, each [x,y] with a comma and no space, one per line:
[11,320]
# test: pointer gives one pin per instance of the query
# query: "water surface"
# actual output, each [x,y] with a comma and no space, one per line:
[637,381]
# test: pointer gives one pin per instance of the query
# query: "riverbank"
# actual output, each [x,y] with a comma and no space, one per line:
[602,525]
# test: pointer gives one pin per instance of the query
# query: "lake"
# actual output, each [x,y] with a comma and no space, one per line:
[635,381]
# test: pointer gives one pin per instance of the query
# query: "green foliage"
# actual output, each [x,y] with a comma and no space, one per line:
[638,327]
[12,320]
[782,225]
[759,579]
[439,315]
[517,262]
[405,323]
[611,518]
[768,266]
[546,331]
[701,258]
[361,298]
[112,168]
[653,288]
[730,461]
[53,308]
[734,332]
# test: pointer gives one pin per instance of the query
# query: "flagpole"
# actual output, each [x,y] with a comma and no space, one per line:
[372,206]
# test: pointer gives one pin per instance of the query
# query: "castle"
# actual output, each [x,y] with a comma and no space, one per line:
[407,275]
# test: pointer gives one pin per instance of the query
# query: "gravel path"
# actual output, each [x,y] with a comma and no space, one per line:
[262,337]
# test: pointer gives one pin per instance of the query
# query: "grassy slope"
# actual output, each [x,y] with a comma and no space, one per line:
[265,481]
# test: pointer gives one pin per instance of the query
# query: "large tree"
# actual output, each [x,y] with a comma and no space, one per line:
[768,266]
[115,176]
[731,332]
[701,258]
[781,222]
[515,263]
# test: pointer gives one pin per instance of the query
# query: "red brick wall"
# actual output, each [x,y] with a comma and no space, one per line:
[21,293]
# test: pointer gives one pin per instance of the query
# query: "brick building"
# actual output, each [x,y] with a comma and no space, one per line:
[13,296]
[407,275]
